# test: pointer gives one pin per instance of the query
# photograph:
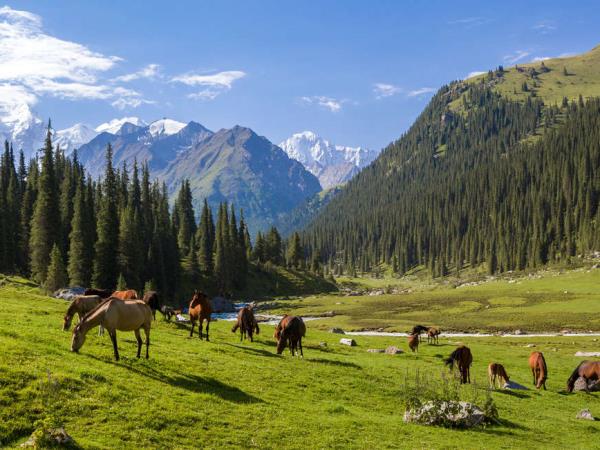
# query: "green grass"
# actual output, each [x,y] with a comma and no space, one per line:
[192,394]
[550,300]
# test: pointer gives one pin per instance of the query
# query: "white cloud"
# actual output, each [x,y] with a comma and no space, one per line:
[383,90]
[469,22]
[516,56]
[329,103]
[475,73]
[34,63]
[421,91]
[150,72]
[545,27]
[215,84]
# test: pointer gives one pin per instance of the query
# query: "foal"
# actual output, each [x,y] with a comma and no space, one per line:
[496,370]
[413,342]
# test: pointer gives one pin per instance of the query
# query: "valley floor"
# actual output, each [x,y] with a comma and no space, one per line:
[223,393]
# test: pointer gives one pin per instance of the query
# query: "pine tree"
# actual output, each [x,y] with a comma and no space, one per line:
[295,252]
[80,240]
[105,258]
[205,239]
[121,283]
[45,221]
[57,274]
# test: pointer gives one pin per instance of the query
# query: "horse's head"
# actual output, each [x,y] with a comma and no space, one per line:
[78,339]
[67,322]
[281,344]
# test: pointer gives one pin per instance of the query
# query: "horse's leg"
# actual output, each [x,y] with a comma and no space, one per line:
[200,326]
[113,338]
[207,324]
[147,333]
[300,345]
[139,341]
[192,330]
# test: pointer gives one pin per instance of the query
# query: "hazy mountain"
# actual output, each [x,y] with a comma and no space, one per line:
[23,128]
[74,137]
[332,164]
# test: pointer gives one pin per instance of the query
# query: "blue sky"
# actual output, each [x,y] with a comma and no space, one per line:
[355,72]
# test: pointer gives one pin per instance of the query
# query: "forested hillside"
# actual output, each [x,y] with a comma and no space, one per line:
[478,178]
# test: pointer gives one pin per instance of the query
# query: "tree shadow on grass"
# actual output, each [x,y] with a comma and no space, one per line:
[334,362]
[253,350]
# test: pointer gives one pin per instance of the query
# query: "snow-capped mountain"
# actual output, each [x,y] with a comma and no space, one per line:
[115,125]
[165,127]
[23,128]
[331,164]
[73,137]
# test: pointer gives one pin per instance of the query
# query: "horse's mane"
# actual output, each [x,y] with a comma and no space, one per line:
[72,305]
[574,376]
[95,308]
[453,357]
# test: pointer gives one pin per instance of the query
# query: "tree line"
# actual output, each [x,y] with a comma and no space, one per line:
[60,227]
[478,179]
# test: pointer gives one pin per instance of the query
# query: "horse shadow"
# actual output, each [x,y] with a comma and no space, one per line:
[335,362]
[512,393]
[248,349]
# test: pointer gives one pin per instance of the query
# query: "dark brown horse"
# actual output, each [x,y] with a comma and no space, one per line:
[463,358]
[200,310]
[289,332]
[588,370]
[413,342]
[247,323]
[81,305]
[433,334]
[102,293]
[169,312]
[151,299]
[418,329]
[129,294]
[539,370]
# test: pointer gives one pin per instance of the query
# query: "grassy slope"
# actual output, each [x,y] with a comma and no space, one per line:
[194,394]
[552,302]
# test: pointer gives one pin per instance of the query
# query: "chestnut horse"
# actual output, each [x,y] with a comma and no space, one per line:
[200,310]
[290,331]
[129,294]
[495,371]
[115,314]
[433,334]
[81,305]
[463,358]
[539,370]
[588,370]
[413,342]
[247,323]
[151,299]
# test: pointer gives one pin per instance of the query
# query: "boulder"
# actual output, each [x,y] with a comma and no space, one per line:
[349,342]
[519,332]
[54,437]
[337,331]
[585,414]
[583,385]
[222,305]
[446,413]
[530,345]
[323,344]
[392,350]
[375,350]
[588,354]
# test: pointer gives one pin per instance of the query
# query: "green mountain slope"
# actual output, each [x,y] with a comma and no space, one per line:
[469,184]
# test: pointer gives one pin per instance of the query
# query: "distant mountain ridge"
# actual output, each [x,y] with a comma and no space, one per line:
[332,164]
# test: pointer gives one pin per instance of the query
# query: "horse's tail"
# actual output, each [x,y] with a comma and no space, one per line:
[573,377]
[453,357]
[236,326]
[256,327]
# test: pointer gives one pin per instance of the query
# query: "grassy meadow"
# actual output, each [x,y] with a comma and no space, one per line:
[197,394]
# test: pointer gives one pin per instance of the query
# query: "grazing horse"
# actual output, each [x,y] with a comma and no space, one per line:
[539,370]
[102,293]
[200,310]
[81,305]
[418,329]
[588,370]
[279,328]
[151,299]
[290,331]
[169,312]
[129,294]
[413,342]
[495,371]
[433,334]
[115,314]
[463,358]
[247,323]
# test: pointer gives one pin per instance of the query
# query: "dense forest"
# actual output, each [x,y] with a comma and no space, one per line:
[477,179]
[60,227]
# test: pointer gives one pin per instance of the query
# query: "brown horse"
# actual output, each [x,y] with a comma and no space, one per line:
[539,370]
[115,314]
[418,329]
[433,334]
[200,310]
[495,371]
[413,342]
[151,299]
[463,358]
[588,370]
[247,323]
[102,293]
[290,331]
[279,328]
[129,294]
[81,305]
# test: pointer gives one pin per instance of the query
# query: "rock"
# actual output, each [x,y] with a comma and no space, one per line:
[519,332]
[222,305]
[328,314]
[581,385]
[392,350]
[323,344]
[452,413]
[585,414]
[375,350]
[349,342]
[529,345]
[337,331]
[48,438]
[588,354]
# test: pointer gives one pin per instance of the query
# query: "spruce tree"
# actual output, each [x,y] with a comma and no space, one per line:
[57,274]
[205,240]
[295,252]
[80,241]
